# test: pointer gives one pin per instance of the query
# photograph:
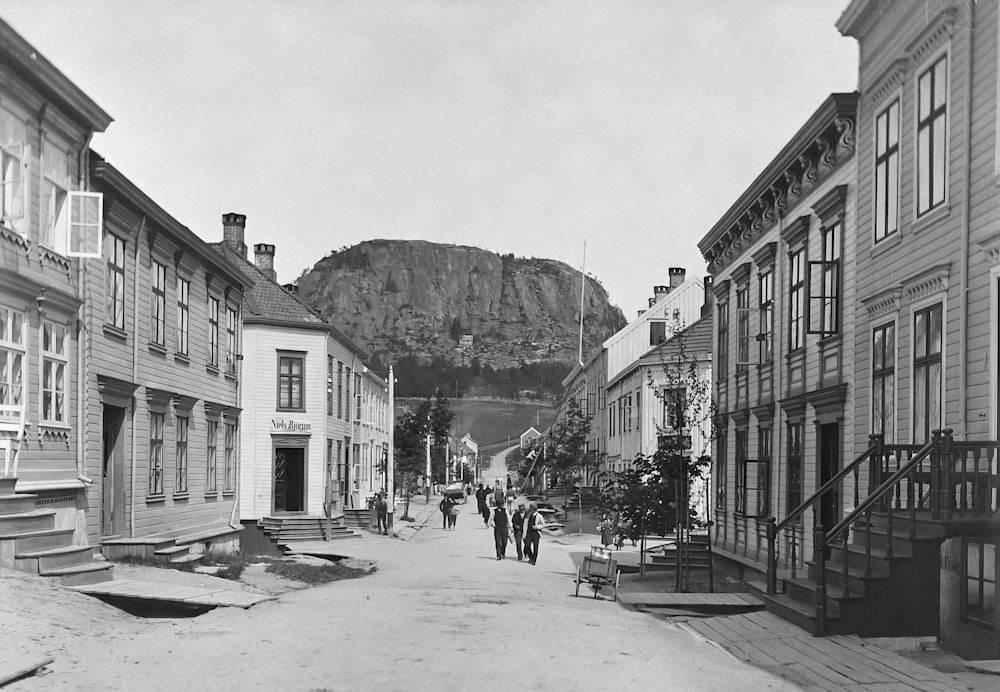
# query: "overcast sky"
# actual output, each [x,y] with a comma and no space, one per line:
[524,126]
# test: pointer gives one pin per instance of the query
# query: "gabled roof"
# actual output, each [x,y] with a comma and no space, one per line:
[697,340]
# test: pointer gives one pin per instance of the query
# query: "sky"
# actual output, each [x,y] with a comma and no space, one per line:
[610,135]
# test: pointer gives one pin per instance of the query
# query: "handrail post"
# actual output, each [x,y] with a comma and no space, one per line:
[947,459]
[876,440]
[772,567]
[937,479]
[819,557]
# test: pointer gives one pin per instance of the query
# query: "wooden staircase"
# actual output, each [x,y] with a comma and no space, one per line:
[697,555]
[288,529]
[29,542]
[356,517]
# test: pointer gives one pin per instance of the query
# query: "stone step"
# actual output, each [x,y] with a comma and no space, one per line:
[32,520]
[17,503]
[29,541]
[37,561]
[91,573]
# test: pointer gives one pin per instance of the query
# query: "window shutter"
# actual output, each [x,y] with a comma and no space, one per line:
[86,224]
[822,301]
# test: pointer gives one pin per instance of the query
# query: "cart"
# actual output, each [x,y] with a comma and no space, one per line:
[598,570]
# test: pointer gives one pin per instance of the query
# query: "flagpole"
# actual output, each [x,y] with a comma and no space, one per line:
[583,288]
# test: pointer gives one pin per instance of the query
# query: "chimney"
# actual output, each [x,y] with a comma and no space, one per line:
[658,293]
[233,228]
[263,259]
[641,313]
[677,275]
[292,288]
[706,307]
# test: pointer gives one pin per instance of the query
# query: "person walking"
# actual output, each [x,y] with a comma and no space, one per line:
[445,506]
[381,512]
[481,494]
[607,529]
[533,525]
[501,530]
[517,525]
[453,515]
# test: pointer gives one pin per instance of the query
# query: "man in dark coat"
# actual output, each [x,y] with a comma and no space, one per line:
[481,494]
[533,523]
[517,523]
[501,530]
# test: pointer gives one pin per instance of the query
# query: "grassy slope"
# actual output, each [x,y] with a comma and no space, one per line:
[491,421]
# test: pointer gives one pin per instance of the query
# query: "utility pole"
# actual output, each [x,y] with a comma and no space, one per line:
[428,472]
[390,471]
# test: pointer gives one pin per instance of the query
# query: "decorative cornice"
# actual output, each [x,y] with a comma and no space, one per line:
[721,290]
[797,230]
[740,417]
[828,399]
[887,82]
[991,248]
[928,282]
[159,398]
[741,275]
[764,257]
[183,402]
[831,204]
[827,157]
[794,407]
[764,413]
[809,173]
[941,24]
[883,302]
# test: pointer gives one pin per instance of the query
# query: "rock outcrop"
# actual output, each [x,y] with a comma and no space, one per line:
[417,298]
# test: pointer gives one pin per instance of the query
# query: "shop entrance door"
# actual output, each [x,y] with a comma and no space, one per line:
[289,479]
[113,471]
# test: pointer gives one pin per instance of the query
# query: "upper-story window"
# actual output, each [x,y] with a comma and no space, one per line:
[796,300]
[213,332]
[232,340]
[115,255]
[824,294]
[55,362]
[742,327]
[765,312]
[886,203]
[55,186]
[12,352]
[158,304]
[932,135]
[884,379]
[329,385]
[291,382]
[13,172]
[657,333]
[722,312]
[927,343]
[340,389]
[183,314]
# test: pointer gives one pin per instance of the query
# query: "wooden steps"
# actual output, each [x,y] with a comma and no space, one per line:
[289,529]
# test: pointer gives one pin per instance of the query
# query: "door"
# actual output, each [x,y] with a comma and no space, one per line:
[112,471]
[289,479]
[829,466]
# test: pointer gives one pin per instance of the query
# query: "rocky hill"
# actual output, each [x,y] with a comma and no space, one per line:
[464,304]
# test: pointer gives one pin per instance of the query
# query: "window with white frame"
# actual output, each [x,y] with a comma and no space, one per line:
[230,470]
[765,313]
[793,471]
[232,343]
[722,313]
[291,382]
[824,289]
[742,449]
[927,343]
[183,314]
[886,202]
[742,327]
[884,380]
[155,453]
[55,186]
[13,172]
[211,456]
[181,455]
[55,363]
[932,135]
[213,331]
[12,353]
[115,258]
[796,300]
[979,587]
[158,304]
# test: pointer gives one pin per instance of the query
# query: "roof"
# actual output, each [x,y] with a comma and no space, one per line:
[697,341]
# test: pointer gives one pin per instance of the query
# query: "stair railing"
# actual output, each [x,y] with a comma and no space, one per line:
[873,452]
[884,495]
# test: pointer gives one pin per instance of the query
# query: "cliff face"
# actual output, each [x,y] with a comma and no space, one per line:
[405,297]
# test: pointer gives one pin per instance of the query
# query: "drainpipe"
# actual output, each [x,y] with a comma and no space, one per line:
[83,165]
[238,448]
[135,374]
[966,228]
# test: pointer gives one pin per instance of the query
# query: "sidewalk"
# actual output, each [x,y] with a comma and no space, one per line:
[420,514]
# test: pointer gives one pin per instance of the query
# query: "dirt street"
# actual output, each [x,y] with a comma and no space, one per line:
[441,613]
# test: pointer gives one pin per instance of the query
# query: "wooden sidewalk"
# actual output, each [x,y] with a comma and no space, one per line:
[837,663]
[172,594]
[687,600]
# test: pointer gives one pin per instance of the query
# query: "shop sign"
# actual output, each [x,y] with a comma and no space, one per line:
[290,425]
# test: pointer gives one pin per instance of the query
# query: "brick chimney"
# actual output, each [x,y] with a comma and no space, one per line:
[233,230]
[658,293]
[677,275]
[263,259]
[706,306]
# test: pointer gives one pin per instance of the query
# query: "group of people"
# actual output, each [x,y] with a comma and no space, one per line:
[522,526]
[449,512]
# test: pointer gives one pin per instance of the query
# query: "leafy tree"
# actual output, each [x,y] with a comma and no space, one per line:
[410,441]
[566,444]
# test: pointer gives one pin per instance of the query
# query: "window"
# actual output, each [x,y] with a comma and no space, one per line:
[742,328]
[156,453]
[824,285]
[926,372]
[765,312]
[211,456]
[721,470]
[115,250]
[158,304]
[796,301]
[55,185]
[886,205]
[357,396]
[979,595]
[932,139]
[762,490]
[657,333]
[13,172]
[230,470]
[883,380]
[329,385]
[674,408]
[232,343]
[54,365]
[741,471]
[183,313]
[723,350]
[793,493]
[213,332]
[340,389]
[181,456]
[290,382]
[12,351]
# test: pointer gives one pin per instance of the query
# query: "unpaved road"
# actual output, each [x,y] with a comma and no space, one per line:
[441,613]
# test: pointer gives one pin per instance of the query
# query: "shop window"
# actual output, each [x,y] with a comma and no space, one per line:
[979,593]
[55,363]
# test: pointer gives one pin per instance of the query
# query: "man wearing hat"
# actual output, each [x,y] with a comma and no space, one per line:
[533,525]
[517,523]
